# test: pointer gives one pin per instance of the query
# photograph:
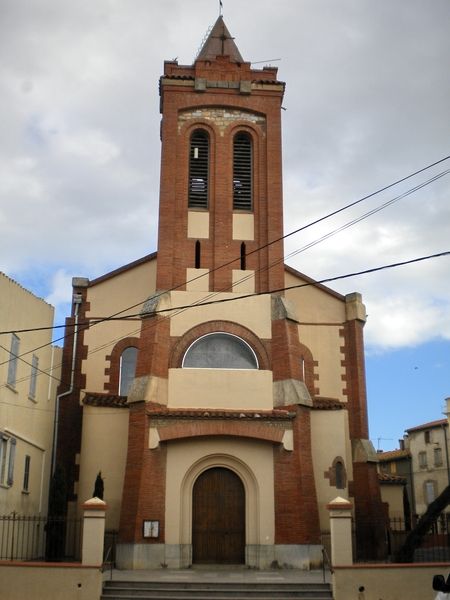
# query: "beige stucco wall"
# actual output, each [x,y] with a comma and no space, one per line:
[386,582]
[324,315]
[220,388]
[44,582]
[106,298]
[254,313]
[329,440]
[104,446]
[438,474]
[251,460]
[393,495]
[197,280]
[198,224]
[27,420]
[243,227]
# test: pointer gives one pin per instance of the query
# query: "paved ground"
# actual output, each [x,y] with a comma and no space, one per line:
[219,575]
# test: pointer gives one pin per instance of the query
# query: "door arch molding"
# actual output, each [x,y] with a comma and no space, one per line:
[251,495]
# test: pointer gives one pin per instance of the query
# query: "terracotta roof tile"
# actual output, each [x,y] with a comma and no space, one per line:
[105,400]
[327,403]
[393,454]
[429,425]
[392,479]
[156,410]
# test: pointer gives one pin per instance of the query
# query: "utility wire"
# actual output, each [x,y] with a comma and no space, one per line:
[278,290]
[181,309]
[326,236]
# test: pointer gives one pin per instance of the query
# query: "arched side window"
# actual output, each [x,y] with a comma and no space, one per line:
[127,369]
[198,169]
[340,475]
[242,172]
[220,351]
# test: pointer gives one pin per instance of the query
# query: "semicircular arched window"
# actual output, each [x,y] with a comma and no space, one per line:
[220,351]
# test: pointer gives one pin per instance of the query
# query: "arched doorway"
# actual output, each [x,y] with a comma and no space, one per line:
[218,518]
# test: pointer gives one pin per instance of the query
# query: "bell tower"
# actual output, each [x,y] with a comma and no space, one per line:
[221,180]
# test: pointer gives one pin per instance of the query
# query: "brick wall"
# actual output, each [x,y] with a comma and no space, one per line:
[296,511]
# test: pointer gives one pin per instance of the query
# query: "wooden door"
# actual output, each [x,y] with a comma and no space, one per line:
[218,518]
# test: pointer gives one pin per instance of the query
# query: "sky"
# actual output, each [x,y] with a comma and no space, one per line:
[367,103]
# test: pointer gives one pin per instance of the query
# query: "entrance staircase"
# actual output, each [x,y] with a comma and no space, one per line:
[195,590]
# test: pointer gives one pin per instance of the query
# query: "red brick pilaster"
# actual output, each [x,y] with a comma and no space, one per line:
[144,490]
[154,347]
[296,511]
[369,513]
[355,378]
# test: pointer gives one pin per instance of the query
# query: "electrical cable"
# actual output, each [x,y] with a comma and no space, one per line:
[278,290]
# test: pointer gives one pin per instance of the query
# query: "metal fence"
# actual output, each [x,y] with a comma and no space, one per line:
[27,538]
[434,546]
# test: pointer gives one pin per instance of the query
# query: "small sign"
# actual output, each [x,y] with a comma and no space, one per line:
[151,529]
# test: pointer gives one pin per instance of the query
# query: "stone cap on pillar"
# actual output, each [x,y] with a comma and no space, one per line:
[95,504]
[340,504]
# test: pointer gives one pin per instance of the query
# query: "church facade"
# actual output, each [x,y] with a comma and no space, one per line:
[231,408]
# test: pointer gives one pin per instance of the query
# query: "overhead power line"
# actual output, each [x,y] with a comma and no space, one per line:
[115,315]
[298,230]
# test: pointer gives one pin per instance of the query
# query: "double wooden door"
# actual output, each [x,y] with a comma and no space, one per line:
[218,518]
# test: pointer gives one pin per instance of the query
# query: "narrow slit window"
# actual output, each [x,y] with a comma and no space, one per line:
[243,257]
[26,473]
[198,169]
[198,255]
[242,172]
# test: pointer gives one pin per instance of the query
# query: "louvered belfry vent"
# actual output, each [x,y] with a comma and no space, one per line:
[198,169]
[242,172]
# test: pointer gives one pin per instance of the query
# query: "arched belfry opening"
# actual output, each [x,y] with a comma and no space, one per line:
[218,518]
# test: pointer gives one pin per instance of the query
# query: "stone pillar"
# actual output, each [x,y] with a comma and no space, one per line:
[93,531]
[341,531]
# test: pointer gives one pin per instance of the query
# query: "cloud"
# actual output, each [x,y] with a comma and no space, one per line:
[60,288]
[367,102]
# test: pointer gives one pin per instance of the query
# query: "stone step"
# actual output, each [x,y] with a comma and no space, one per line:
[128,590]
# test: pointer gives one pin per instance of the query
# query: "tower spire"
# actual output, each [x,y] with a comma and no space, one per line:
[220,43]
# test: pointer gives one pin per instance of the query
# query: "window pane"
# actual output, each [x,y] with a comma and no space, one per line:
[429,491]
[220,351]
[127,369]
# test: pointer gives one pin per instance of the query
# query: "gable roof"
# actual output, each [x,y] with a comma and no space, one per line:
[314,283]
[123,268]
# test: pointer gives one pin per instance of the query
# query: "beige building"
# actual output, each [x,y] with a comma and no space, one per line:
[29,374]
[428,445]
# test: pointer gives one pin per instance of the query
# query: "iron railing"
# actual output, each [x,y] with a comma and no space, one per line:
[24,538]
[434,546]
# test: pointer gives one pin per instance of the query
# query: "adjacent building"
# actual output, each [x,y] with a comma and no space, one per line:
[29,375]
[225,403]
[422,463]
[428,445]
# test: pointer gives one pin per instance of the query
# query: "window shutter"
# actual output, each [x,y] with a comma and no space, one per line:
[12,455]
[242,172]
[198,170]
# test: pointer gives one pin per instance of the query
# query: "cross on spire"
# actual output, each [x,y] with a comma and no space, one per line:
[220,43]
